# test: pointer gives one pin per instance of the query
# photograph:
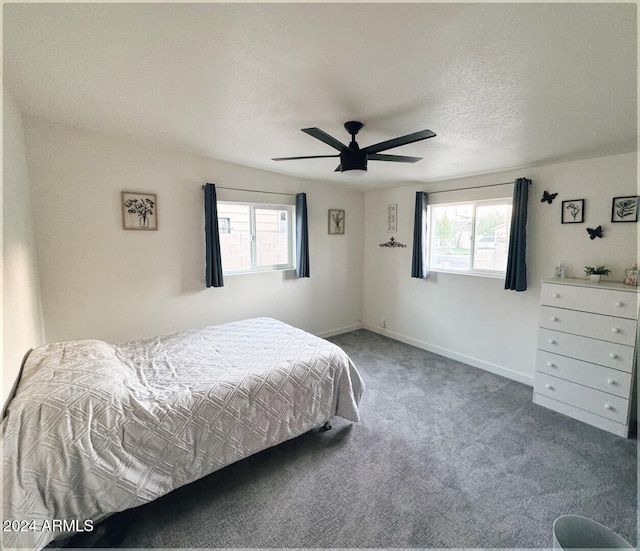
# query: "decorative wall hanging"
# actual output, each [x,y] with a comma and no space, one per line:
[624,209]
[595,232]
[139,211]
[392,218]
[392,243]
[573,211]
[336,222]
[548,197]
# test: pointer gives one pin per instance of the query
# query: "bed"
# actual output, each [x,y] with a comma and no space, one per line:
[95,429]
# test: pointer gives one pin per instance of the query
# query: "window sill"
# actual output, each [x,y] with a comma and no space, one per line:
[490,275]
[260,271]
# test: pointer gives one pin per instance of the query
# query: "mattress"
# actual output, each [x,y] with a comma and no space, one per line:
[96,428]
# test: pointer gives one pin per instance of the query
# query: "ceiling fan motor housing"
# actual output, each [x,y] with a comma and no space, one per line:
[353,160]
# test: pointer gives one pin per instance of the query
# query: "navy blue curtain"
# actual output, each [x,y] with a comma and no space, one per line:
[302,236]
[213,268]
[418,260]
[516,278]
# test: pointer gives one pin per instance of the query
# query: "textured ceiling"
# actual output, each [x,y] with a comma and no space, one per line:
[502,85]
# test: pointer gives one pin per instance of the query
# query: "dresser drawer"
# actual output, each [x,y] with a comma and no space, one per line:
[597,326]
[621,429]
[591,299]
[588,399]
[601,378]
[616,356]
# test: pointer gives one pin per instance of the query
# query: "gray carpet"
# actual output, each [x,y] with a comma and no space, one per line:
[446,456]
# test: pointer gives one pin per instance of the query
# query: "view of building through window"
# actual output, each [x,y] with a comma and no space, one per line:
[469,237]
[272,237]
[255,237]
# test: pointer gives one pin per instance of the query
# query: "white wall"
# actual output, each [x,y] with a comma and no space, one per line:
[102,282]
[473,318]
[22,326]
[99,281]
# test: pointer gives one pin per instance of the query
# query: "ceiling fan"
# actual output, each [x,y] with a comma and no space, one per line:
[354,158]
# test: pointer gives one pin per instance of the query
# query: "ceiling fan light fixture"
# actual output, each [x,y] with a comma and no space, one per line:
[355,172]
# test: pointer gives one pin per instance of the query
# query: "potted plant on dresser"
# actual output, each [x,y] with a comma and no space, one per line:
[595,273]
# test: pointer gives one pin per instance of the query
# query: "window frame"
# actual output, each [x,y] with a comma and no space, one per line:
[497,274]
[291,241]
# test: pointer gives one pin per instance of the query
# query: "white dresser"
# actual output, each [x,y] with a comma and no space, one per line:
[586,354]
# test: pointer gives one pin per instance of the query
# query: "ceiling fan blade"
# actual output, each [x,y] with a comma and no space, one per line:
[326,138]
[397,142]
[304,157]
[394,158]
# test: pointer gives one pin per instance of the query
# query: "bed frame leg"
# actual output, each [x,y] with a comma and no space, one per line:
[326,426]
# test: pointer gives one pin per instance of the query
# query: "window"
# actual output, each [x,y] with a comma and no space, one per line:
[255,237]
[224,225]
[469,237]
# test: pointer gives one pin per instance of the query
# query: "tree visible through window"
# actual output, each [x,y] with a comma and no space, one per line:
[469,237]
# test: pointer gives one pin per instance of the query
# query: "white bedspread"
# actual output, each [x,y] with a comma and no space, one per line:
[96,428]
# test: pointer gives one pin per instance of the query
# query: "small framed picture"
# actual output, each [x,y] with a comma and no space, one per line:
[624,209]
[139,211]
[573,211]
[336,222]
[392,218]
[631,277]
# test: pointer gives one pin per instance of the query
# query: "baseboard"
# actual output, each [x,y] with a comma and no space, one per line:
[469,360]
[340,331]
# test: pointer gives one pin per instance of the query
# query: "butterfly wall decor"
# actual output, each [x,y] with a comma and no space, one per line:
[548,197]
[595,232]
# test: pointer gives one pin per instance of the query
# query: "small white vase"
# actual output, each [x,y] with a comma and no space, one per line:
[595,278]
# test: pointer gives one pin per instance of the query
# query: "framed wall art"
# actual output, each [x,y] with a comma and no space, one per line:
[139,211]
[573,211]
[336,222]
[392,218]
[624,209]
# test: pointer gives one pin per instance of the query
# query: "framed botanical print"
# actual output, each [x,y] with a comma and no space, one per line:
[624,209]
[139,211]
[573,211]
[336,221]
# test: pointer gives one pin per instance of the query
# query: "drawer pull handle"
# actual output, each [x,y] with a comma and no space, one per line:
[551,341]
[551,364]
[553,318]
[618,304]
[613,355]
[556,295]
[615,330]
[548,386]
[608,406]
[611,382]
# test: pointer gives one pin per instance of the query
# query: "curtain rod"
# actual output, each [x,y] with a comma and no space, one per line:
[429,192]
[472,187]
[255,191]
